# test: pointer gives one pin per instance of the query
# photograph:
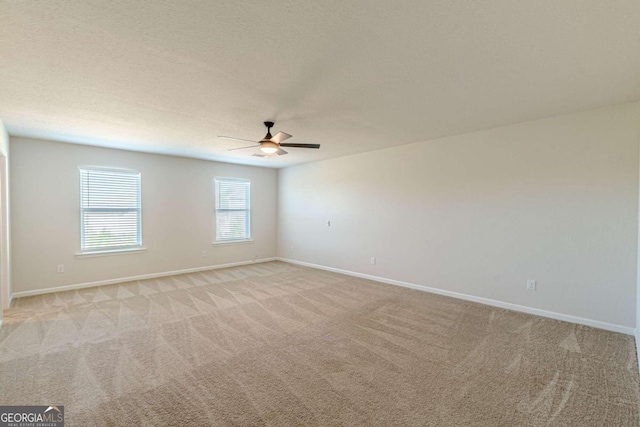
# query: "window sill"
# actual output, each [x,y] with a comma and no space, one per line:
[232,242]
[110,252]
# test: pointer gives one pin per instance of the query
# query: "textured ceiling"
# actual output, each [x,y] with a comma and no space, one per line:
[168,76]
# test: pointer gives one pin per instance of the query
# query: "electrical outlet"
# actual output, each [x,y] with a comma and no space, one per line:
[531,285]
[60,268]
[203,254]
[373,260]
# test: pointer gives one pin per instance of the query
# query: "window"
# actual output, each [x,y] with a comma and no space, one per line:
[233,210]
[110,209]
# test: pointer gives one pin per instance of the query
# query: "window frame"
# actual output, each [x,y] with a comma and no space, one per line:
[108,250]
[249,227]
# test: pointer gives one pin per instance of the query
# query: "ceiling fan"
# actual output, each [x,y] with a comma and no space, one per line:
[271,144]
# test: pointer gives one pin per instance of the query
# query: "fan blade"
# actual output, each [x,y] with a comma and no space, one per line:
[242,148]
[281,152]
[280,136]
[237,139]
[294,145]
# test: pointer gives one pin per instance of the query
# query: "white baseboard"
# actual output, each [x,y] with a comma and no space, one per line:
[495,303]
[132,278]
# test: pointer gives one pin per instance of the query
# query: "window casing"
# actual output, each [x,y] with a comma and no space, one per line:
[233,210]
[110,209]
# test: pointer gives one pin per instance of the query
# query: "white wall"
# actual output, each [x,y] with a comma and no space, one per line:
[177,214]
[555,200]
[5,271]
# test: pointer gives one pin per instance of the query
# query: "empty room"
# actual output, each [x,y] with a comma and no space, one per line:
[319,213]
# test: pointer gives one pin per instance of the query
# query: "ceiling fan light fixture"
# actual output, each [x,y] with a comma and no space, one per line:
[268,147]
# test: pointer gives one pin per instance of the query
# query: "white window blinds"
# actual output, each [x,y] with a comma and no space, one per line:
[110,209]
[233,209]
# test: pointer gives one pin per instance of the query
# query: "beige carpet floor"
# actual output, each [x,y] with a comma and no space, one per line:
[281,345]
